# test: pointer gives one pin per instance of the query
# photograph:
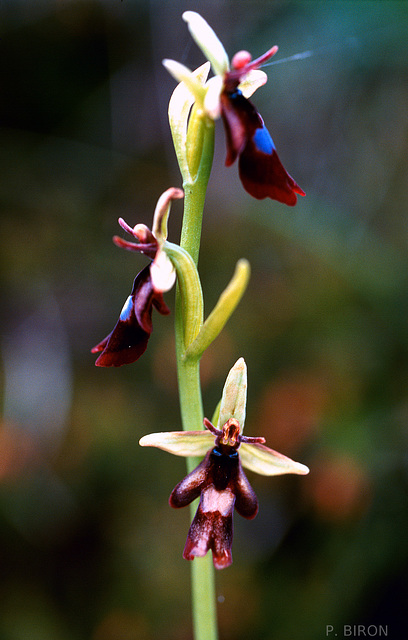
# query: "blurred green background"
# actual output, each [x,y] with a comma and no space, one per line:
[89,548]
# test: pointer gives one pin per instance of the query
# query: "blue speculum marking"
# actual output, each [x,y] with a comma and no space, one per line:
[263,141]
[126,310]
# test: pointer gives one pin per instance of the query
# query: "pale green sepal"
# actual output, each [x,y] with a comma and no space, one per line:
[180,105]
[180,443]
[222,311]
[190,290]
[234,394]
[208,41]
[267,462]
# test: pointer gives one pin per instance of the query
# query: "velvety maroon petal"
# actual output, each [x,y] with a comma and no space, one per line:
[246,502]
[235,127]
[128,340]
[159,304]
[198,537]
[190,487]
[263,176]
[145,297]
[126,343]
[222,485]
[261,171]
[101,345]
[211,530]
[221,541]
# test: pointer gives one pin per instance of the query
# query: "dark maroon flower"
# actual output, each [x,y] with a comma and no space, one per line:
[129,338]
[226,94]
[222,485]
[219,480]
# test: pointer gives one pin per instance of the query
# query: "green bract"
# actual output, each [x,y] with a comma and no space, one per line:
[222,311]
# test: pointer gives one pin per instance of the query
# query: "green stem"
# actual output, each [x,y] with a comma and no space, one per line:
[188,372]
[203,592]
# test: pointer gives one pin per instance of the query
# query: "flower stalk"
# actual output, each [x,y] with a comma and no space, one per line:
[199,162]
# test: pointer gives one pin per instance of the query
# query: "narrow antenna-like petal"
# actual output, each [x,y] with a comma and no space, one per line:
[162,211]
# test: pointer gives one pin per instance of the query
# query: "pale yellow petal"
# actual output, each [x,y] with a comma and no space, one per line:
[252,81]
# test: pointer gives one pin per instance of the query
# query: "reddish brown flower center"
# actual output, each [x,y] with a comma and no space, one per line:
[230,433]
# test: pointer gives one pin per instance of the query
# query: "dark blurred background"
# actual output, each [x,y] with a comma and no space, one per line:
[89,548]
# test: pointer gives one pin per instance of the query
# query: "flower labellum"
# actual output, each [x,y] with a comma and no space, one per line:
[129,338]
[260,169]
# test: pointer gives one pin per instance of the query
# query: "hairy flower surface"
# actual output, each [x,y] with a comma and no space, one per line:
[219,480]
[226,94]
[128,339]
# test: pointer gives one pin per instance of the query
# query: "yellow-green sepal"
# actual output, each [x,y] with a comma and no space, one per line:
[180,443]
[234,395]
[267,462]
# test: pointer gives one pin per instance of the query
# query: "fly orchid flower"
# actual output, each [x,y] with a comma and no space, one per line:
[219,479]
[226,94]
[129,338]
